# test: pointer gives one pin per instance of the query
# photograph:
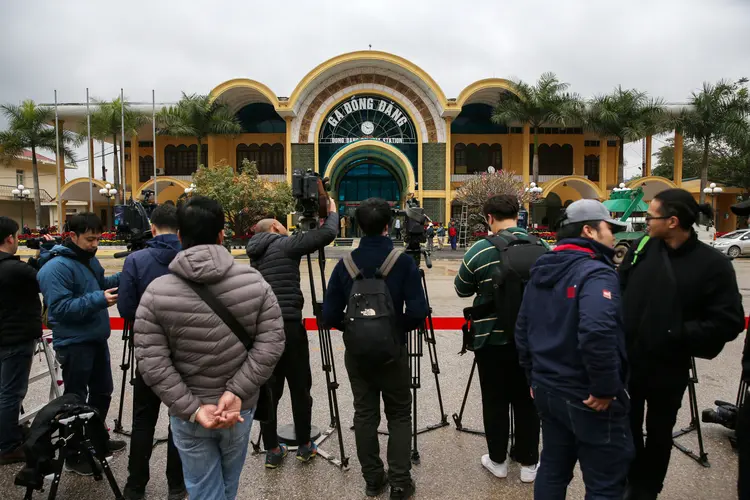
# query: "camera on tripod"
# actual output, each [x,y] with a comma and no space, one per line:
[311,192]
[415,233]
[132,222]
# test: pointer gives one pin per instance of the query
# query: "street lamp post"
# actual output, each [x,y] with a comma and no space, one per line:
[534,191]
[713,190]
[189,190]
[108,192]
[21,193]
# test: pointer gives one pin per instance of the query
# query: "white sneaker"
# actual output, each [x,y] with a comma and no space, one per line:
[498,470]
[528,473]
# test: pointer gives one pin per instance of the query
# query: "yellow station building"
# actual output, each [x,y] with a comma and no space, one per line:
[379,125]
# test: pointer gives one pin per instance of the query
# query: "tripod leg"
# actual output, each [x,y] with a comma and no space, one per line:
[458,418]
[703,456]
[415,354]
[431,341]
[127,356]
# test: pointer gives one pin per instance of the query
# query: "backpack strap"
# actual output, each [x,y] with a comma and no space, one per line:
[389,262]
[351,267]
[640,248]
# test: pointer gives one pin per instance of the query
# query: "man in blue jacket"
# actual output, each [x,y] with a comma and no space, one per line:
[571,343]
[391,380]
[77,296]
[139,270]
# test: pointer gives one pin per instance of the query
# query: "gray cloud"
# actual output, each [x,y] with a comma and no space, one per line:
[667,47]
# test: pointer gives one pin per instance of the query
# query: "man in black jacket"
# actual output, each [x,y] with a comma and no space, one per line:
[277,256]
[680,299]
[20,326]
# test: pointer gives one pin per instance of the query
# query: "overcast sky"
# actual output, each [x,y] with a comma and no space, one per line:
[666,47]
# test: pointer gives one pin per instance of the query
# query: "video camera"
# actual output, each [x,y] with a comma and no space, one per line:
[36,243]
[725,415]
[311,192]
[132,222]
[415,233]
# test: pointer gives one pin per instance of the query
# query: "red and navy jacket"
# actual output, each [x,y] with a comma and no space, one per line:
[569,334]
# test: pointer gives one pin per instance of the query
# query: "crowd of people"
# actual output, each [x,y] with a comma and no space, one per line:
[215,340]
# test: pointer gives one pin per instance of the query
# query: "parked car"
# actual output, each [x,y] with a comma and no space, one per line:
[733,244]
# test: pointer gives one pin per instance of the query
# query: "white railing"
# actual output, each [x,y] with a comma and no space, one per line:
[542,178]
[274,177]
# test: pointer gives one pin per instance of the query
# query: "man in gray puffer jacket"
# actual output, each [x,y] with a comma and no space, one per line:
[195,363]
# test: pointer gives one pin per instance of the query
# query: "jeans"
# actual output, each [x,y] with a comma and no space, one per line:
[146,406]
[453,240]
[663,396]
[600,441]
[503,383]
[87,372]
[393,382]
[212,459]
[15,367]
[294,366]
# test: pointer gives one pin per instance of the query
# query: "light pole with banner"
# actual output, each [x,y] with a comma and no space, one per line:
[713,190]
[109,192]
[21,193]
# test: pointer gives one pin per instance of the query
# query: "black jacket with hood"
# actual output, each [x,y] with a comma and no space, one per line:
[20,307]
[678,303]
[277,257]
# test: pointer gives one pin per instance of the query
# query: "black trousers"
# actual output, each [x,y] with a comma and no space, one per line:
[146,406]
[393,382]
[87,372]
[743,445]
[503,383]
[663,397]
[294,367]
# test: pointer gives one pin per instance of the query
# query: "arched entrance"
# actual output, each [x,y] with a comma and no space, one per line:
[651,185]
[368,169]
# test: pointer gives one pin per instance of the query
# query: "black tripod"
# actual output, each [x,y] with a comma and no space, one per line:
[72,441]
[329,367]
[695,423]
[128,365]
[415,340]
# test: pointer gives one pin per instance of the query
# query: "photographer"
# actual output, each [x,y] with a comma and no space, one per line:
[139,270]
[390,378]
[680,299]
[77,296]
[277,256]
[20,326]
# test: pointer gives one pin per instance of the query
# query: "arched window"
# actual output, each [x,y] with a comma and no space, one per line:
[472,158]
[145,168]
[553,159]
[250,153]
[484,160]
[183,160]
[277,159]
[591,167]
[496,158]
[459,158]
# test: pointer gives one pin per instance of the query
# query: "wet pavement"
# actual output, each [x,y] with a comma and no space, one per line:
[449,465]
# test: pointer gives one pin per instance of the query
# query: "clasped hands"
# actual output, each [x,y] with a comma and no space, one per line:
[222,415]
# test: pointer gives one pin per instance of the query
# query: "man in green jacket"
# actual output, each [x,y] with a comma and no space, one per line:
[501,379]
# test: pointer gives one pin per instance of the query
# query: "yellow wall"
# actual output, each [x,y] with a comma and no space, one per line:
[47,175]
[723,202]
[567,193]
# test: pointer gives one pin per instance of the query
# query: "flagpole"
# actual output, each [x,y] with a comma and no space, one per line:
[153,121]
[89,149]
[122,148]
[57,153]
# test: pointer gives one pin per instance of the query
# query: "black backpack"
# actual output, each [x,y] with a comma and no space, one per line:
[509,278]
[371,333]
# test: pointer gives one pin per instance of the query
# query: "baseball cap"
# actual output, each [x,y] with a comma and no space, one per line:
[589,210]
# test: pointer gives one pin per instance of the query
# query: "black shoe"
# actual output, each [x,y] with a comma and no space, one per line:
[177,493]
[13,457]
[114,445]
[403,491]
[133,494]
[376,488]
[79,466]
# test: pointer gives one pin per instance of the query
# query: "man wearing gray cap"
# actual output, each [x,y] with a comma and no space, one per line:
[573,352]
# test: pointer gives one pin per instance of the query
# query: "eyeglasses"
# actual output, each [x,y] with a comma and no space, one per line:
[661,217]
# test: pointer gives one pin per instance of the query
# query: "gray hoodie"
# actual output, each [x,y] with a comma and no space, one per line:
[186,353]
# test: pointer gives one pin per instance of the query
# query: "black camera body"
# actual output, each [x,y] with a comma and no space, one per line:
[36,243]
[132,224]
[414,222]
[310,190]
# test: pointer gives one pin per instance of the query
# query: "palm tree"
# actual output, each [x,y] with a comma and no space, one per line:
[627,114]
[547,102]
[29,129]
[106,123]
[718,110]
[197,116]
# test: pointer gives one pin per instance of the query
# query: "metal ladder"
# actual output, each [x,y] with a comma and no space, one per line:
[44,346]
[463,227]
